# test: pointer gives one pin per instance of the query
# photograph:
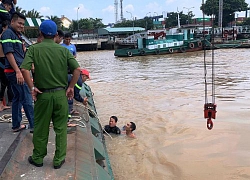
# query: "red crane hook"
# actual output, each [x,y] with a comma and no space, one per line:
[210,113]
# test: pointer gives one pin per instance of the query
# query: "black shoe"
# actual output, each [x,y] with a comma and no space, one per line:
[33,163]
[31,130]
[60,165]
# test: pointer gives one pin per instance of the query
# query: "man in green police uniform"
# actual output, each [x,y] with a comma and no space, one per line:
[51,63]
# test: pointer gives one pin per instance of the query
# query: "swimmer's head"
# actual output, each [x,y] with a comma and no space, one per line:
[112,121]
[130,126]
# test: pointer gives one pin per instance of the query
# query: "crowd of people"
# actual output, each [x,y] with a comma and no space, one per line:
[42,81]
[50,90]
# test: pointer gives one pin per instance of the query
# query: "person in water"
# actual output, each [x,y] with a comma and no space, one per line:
[129,128]
[112,128]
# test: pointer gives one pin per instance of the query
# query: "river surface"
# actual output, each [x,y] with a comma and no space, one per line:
[164,95]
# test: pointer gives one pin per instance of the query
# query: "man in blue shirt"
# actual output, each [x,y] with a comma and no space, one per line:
[67,43]
[14,53]
[5,7]
[72,48]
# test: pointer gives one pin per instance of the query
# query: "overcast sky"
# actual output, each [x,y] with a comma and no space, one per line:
[104,9]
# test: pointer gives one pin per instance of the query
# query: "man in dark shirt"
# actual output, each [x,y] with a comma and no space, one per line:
[14,56]
[112,128]
[4,81]
[4,11]
[5,7]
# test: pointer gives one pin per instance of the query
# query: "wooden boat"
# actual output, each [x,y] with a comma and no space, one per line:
[86,159]
[155,42]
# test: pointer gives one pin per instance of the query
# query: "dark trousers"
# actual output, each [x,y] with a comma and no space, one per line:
[22,97]
[5,84]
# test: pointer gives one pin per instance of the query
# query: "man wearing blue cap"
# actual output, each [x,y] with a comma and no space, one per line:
[51,62]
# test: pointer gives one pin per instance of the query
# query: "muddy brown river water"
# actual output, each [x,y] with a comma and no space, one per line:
[164,96]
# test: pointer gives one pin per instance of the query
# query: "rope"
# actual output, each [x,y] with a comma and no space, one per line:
[78,119]
[205,66]
[7,118]
[205,63]
[213,75]
[92,112]
[96,116]
[209,108]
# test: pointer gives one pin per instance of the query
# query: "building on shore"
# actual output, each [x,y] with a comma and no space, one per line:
[66,22]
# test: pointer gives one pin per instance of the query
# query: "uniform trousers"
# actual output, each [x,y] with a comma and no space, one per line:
[50,106]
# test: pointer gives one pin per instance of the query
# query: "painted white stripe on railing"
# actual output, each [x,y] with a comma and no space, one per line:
[30,22]
[38,21]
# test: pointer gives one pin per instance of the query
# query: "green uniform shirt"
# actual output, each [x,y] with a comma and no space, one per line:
[51,63]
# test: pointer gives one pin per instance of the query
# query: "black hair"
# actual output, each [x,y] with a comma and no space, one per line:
[68,35]
[48,36]
[60,33]
[9,2]
[115,118]
[17,15]
[5,23]
[132,126]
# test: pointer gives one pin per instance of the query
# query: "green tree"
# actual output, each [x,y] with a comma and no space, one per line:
[97,23]
[20,10]
[188,18]
[246,22]
[86,24]
[172,19]
[211,7]
[56,19]
[73,26]
[146,23]
[125,23]
[33,14]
